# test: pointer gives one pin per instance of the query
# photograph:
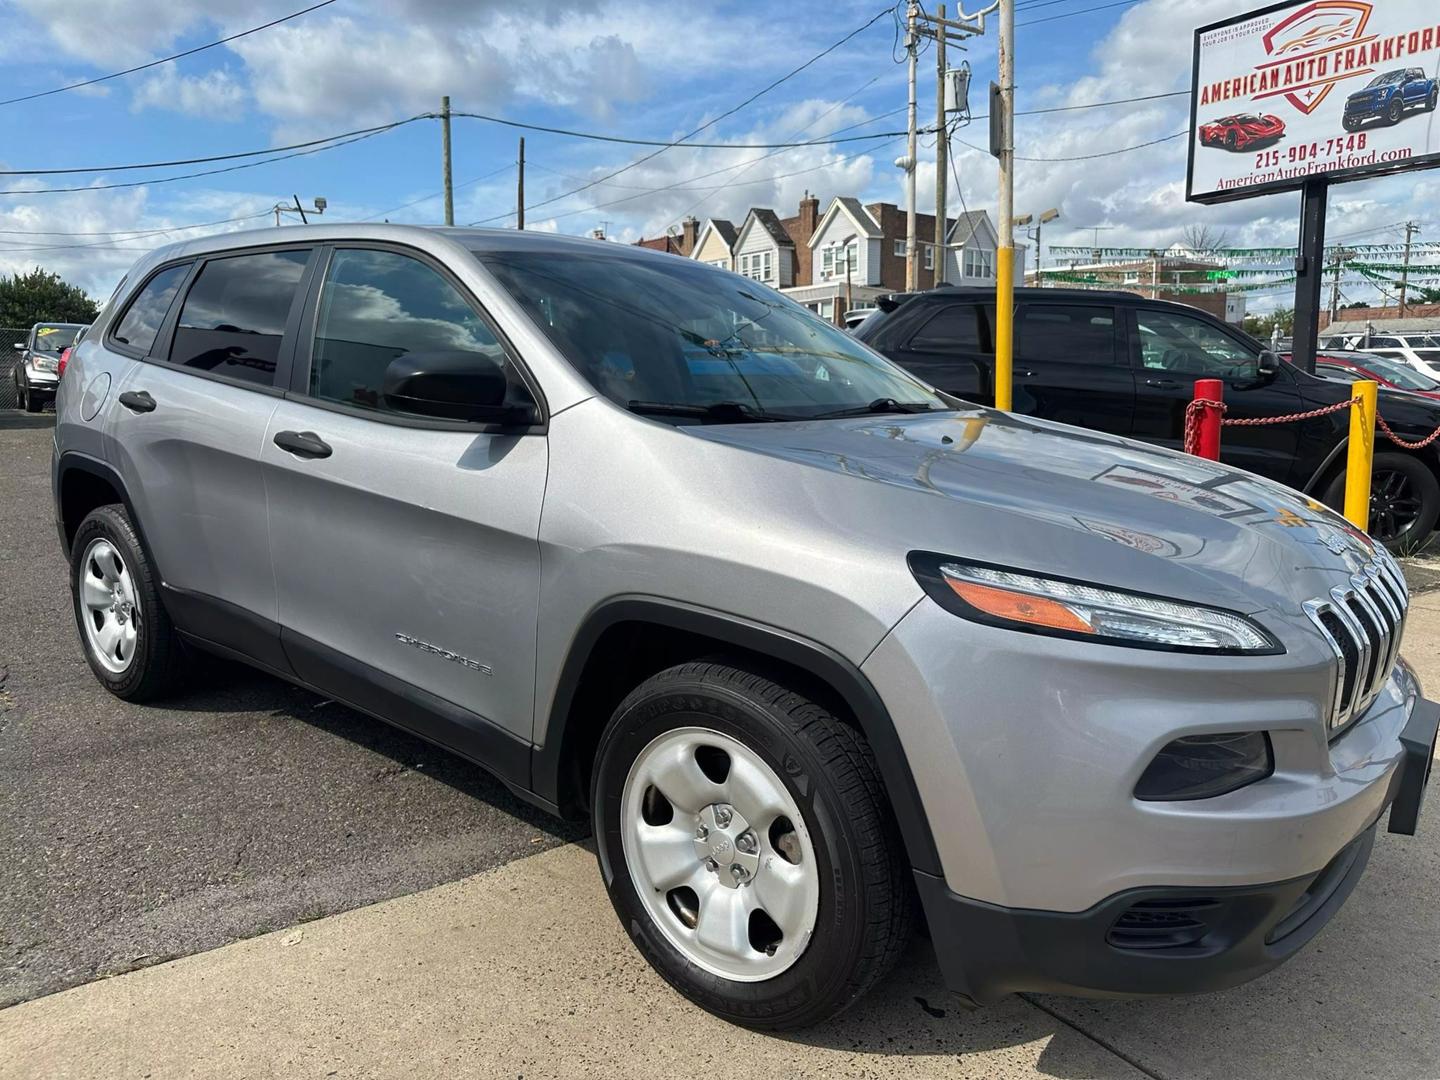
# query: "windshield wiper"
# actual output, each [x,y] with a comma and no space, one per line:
[880,405]
[724,412]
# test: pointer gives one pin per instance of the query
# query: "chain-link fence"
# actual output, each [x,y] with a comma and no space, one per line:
[9,359]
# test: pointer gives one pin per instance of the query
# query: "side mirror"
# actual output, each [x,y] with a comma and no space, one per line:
[1269,362]
[452,385]
[20,345]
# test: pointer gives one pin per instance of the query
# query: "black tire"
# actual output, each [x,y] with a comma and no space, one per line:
[31,403]
[1404,501]
[1395,111]
[156,667]
[1433,99]
[1230,141]
[1350,125]
[865,907]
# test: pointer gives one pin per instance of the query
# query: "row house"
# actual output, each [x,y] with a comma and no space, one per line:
[846,258]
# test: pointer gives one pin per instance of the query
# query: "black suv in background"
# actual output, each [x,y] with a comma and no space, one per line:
[1120,363]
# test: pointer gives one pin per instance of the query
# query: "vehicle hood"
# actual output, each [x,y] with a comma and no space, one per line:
[1051,498]
[1374,93]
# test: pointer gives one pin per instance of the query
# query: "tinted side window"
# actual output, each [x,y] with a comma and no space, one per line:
[234,316]
[1174,342]
[147,311]
[1061,333]
[954,328]
[378,305]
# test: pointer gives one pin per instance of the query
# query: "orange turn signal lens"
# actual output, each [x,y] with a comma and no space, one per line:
[1019,607]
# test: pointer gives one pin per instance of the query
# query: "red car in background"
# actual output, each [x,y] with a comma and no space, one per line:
[1392,374]
[1242,131]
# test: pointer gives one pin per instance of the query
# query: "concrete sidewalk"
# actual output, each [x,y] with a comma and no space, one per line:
[523,971]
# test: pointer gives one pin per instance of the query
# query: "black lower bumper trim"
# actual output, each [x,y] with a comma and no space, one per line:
[986,951]
[1418,739]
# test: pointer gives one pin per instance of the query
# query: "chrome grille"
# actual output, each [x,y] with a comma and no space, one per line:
[1363,623]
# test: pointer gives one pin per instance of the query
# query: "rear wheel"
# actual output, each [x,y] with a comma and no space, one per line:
[128,639]
[747,846]
[1404,501]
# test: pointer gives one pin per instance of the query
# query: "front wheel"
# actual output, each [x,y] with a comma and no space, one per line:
[1404,501]
[747,846]
[28,400]
[1433,99]
[1393,113]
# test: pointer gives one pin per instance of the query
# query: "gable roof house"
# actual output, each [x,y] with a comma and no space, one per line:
[715,244]
[858,255]
[681,245]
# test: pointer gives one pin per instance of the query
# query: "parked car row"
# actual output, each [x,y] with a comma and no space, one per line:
[43,353]
[814,646]
[1120,363]
[1420,351]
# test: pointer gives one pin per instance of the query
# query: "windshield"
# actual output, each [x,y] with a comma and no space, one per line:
[670,332]
[1399,373]
[1386,79]
[55,338]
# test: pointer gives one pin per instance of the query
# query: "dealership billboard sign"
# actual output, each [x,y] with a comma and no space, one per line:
[1311,89]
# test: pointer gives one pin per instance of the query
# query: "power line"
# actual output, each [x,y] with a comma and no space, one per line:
[214,157]
[130,234]
[437,194]
[116,244]
[729,112]
[1087,157]
[1082,11]
[167,59]
[210,172]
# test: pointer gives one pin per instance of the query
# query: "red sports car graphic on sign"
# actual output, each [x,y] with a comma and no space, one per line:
[1242,131]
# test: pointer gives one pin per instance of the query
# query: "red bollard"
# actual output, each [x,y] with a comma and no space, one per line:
[1208,442]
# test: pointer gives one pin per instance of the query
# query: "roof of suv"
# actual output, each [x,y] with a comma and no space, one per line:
[417,235]
[892,301]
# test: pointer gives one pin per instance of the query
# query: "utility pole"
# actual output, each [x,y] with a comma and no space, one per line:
[1341,257]
[912,50]
[1005,256]
[942,137]
[445,159]
[520,187]
[1411,228]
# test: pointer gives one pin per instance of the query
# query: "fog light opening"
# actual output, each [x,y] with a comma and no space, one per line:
[1205,766]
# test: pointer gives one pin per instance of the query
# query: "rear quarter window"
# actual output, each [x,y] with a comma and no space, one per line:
[141,322]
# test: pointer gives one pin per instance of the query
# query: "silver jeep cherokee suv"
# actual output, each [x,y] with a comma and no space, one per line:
[804,638]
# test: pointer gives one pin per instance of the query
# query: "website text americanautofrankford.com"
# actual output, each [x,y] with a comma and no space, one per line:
[1309,168]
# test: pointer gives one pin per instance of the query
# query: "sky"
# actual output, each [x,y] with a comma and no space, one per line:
[642,69]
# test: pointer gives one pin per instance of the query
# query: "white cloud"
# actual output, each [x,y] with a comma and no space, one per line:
[216,95]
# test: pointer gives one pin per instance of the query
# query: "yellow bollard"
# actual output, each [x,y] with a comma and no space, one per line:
[1004,326]
[1361,455]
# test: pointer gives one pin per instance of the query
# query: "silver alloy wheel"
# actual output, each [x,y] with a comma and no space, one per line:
[108,606]
[725,867]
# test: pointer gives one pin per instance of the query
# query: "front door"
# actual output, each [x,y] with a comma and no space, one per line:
[1173,350]
[405,548]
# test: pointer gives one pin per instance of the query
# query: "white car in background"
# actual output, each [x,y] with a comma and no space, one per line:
[1419,351]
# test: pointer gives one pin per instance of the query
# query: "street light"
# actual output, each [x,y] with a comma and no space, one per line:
[1046,216]
[295,208]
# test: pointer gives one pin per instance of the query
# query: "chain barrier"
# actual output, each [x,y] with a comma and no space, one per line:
[1196,407]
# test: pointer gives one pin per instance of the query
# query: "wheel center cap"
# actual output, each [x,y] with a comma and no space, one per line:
[726,845]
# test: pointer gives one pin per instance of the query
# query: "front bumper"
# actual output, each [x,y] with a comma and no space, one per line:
[1367,111]
[1162,940]
[41,382]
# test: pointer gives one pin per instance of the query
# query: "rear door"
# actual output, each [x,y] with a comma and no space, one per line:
[187,432]
[1173,349]
[950,346]
[406,551]
[1070,365]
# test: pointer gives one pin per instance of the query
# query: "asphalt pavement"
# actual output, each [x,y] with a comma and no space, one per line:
[132,834]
